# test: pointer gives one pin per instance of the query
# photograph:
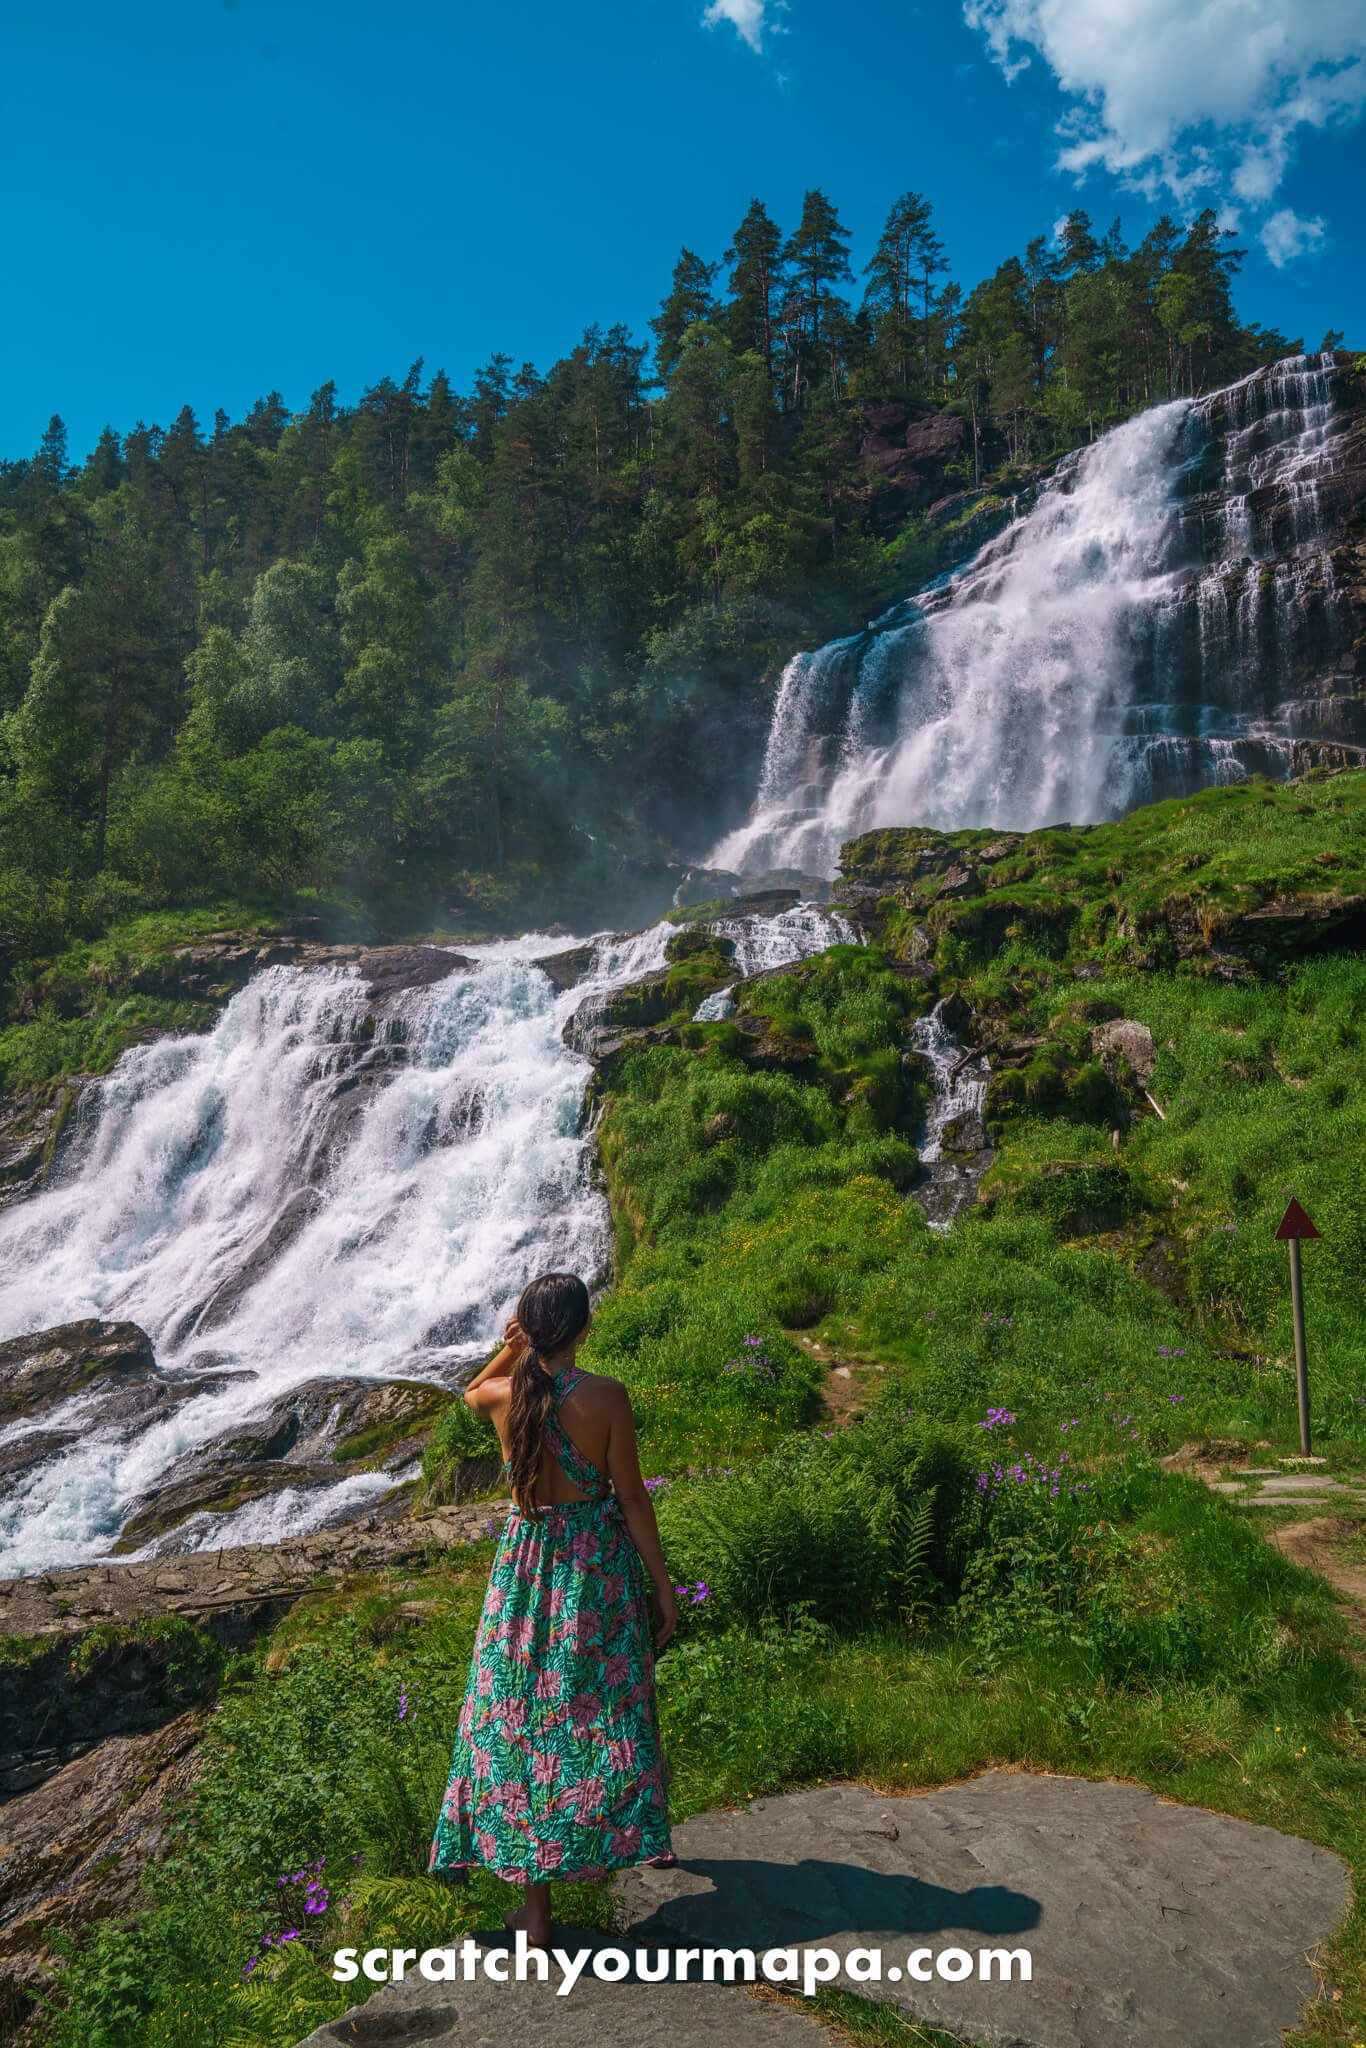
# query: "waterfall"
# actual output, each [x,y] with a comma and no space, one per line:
[315,1188]
[1154,620]
[955,1113]
[761,944]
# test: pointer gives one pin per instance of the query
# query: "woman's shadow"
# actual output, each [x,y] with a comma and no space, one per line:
[737,1901]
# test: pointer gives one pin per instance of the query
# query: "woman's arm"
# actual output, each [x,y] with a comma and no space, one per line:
[637,1509]
[514,1344]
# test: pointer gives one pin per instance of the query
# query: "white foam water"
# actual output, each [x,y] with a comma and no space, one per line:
[257,1208]
[958,1094]
[1122,639]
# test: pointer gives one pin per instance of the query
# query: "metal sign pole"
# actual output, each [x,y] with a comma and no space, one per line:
[1301,1359]
[1293,1226]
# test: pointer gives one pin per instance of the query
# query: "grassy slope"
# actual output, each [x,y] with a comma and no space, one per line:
[1129,1624]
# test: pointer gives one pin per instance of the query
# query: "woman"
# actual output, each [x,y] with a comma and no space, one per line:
[558,1770]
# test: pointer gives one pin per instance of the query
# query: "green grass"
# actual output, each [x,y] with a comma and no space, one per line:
[310,1759]
[1081,1610]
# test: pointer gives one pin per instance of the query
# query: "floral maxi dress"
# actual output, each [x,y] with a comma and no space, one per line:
[558,1770]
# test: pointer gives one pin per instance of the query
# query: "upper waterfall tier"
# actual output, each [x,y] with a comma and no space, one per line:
[1165,612]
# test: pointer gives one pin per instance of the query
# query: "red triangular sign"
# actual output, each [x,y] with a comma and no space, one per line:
[1295,1223]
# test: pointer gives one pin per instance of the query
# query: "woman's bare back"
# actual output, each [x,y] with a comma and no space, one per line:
[585,1415]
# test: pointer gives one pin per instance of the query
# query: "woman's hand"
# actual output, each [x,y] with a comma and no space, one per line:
[666,1615]
[515,1336]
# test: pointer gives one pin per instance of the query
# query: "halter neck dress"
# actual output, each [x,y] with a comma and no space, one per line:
[558,1770]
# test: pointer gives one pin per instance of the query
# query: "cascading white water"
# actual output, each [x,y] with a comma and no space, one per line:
[291,1197]
[1136,632]
[958,1081]
[958,1094]
[762,943]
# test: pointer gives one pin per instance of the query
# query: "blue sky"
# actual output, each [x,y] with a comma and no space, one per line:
[210,199]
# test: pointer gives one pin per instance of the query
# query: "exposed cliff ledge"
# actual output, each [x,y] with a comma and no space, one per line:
[1196,889]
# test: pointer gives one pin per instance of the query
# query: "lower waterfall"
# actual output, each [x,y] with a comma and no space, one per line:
[303,1193]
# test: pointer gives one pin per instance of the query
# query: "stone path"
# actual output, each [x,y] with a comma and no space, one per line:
[1147,1923]
[1289,1482]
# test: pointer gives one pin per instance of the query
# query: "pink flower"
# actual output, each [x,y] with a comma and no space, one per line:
[622,1753]
[615,1589]
[487,1847]
[551,1855]
[514,1798]
[588,1798]
[617,1668]
[585,1628]
[624,1841]
[547,1685]
[514,1716]
[545,1769]
[583,1547]
[483,1684]
[493,1600]
[557,1599]
[583,1712]
[480,1761]
[521,1632]
[457,1797]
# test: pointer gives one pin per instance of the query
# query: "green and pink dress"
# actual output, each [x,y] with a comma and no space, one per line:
[558,1770]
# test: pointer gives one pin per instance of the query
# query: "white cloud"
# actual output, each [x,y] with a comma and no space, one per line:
[1287,235]
[749,18]
[1200,99]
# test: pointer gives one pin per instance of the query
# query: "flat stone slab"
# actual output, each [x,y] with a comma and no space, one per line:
[1147,1923]
[481,2014]
[1255,1486]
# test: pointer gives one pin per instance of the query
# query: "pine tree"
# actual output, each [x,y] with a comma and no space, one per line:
[755,283]
[690,300]
[908,258]
[818,261]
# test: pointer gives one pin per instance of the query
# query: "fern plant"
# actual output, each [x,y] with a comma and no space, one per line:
[858,1526]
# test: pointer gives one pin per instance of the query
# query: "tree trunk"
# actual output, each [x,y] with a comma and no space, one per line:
[111,710]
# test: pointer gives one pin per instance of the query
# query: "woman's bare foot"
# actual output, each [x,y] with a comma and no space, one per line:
[532,1919]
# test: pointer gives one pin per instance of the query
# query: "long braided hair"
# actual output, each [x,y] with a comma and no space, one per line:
[552,1310]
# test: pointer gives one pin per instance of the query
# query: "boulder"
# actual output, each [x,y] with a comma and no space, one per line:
[299,1441]
[1125,1043]
[959,883]
[216,1493]
[390,970]
[691,940]
[50,1366]
[567,970]
[231,1590]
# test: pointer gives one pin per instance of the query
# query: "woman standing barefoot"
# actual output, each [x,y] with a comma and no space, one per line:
[558,1770]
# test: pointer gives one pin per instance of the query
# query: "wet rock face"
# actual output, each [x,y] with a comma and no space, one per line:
[567,970]
[310,1438]
[389,970]
[38,1371]
[32,1124]
[214,967]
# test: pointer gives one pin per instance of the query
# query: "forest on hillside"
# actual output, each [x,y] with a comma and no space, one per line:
[450,654]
